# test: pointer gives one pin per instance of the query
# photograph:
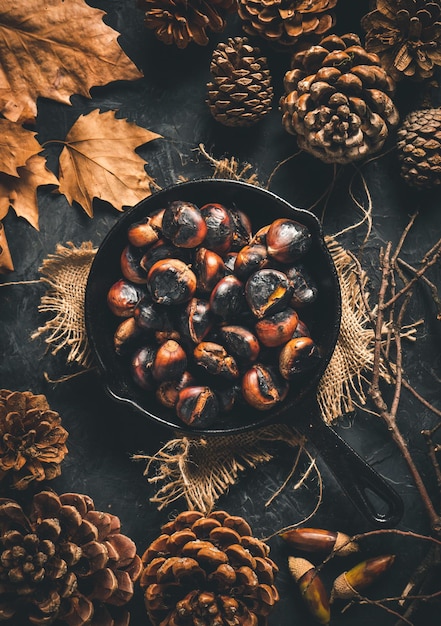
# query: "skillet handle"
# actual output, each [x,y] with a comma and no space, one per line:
[356,477]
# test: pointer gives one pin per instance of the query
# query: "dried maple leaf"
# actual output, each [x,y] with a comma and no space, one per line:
[99,161]
[53,49]
[6,264]
[21,193]
[16,146]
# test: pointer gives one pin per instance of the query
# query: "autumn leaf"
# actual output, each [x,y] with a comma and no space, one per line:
[54,49]
[98,161]
[21,193]
[16,146]
[6,264]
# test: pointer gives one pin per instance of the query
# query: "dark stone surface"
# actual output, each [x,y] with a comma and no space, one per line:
[170,100]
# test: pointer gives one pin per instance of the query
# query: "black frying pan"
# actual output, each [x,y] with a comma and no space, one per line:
[364,486]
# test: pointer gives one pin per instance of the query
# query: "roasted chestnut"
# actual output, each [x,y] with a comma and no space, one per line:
[215,359]
[250,259]
[170,361]
[163,249]
[240,342]
[260,236]
[196,320]
[147,231]
[229,261]
[142,367]
[276,329]
[168,391]
[123,296]
[303,285]
[171,281]
[197,406]
[298,356]
[130,265]
[183,224]
[227,298]
[220,227]
[267,291]
[228,397]
[287,240]
[263,388]
[126,335]
[301,330]
[242,230]
[161,336]
[209,269]
[150,316]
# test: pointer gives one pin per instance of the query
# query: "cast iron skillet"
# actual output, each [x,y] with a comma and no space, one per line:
[366,488]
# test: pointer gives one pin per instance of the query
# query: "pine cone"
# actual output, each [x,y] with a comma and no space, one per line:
[338,100]
[32,440]
[64,561]
[284,22]
[406,35]
[419,148]
[181,21]
[208,571]
[241,92]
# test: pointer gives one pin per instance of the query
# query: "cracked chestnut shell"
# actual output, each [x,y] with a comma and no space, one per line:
[220,227]
[242,230]
[171,281]
[196,320]
[215,360]
[131,267]
[126,335]
[228,299]
[209,268]
[142,367]
[263,388]
[276,329]
[250,259]
[170,361]
[197,406]
[267,291]
[183,224]
[304,287]
[123,296]
[163,249]
[287,240]
[150,316]
[147,231]
[298,356]
[168,391]
[240,342]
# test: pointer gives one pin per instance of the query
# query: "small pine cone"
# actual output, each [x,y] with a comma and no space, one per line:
[208,570]
[32,440]
[338,100]
[285,22]
[241,92]
[63,561]
[406,35]
[419,148]
[181,21]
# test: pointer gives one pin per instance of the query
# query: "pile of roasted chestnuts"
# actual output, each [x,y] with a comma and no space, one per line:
[209,310]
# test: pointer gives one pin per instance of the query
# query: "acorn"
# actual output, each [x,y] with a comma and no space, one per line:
[196,321]
[250,259]
[147,231]
[209,268]
[350,583]
[215,360]
[142,367]
[170,361]
[287,240]
[183,224]
[298,356]
[220,226]
[227,300]
[318,540]
[130,265]
[240,342]
[262,388]
[304,288]
[151,316]
[123,296]
[126,334]
[197,406]
[171,281]
[276,329]
[168,391]
[311,588]
[267,291]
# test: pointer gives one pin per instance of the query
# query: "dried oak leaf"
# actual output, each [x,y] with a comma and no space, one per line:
[99,161]
[54,49]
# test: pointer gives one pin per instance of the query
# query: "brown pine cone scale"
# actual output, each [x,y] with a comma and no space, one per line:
[419,148]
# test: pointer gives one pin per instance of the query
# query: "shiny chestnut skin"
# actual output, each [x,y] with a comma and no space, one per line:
[196,320]
[147,231]
[267,291]
[301,330]
[260,236]
[163,249]
[170,361]
[215,360]
[229,261]
[287,240]
[250,259]
[298,356]
[183,224]
[240,342]
[161,336]
[168,391]
[123,296]
[197,406]
[126,335]
[131,268]
[171,281]
[220,227]
[150,316]
[142,367]
[276,329]
[263,388]
[209,268]
[227,300]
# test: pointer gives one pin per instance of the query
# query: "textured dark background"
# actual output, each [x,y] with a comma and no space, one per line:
[170,100]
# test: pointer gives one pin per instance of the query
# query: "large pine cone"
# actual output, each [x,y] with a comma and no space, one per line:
[406,35]
[65,562]
[285,22]
[32,440]
[181,21]
[338,100]
[208,570]
[241,92]
[419,148]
